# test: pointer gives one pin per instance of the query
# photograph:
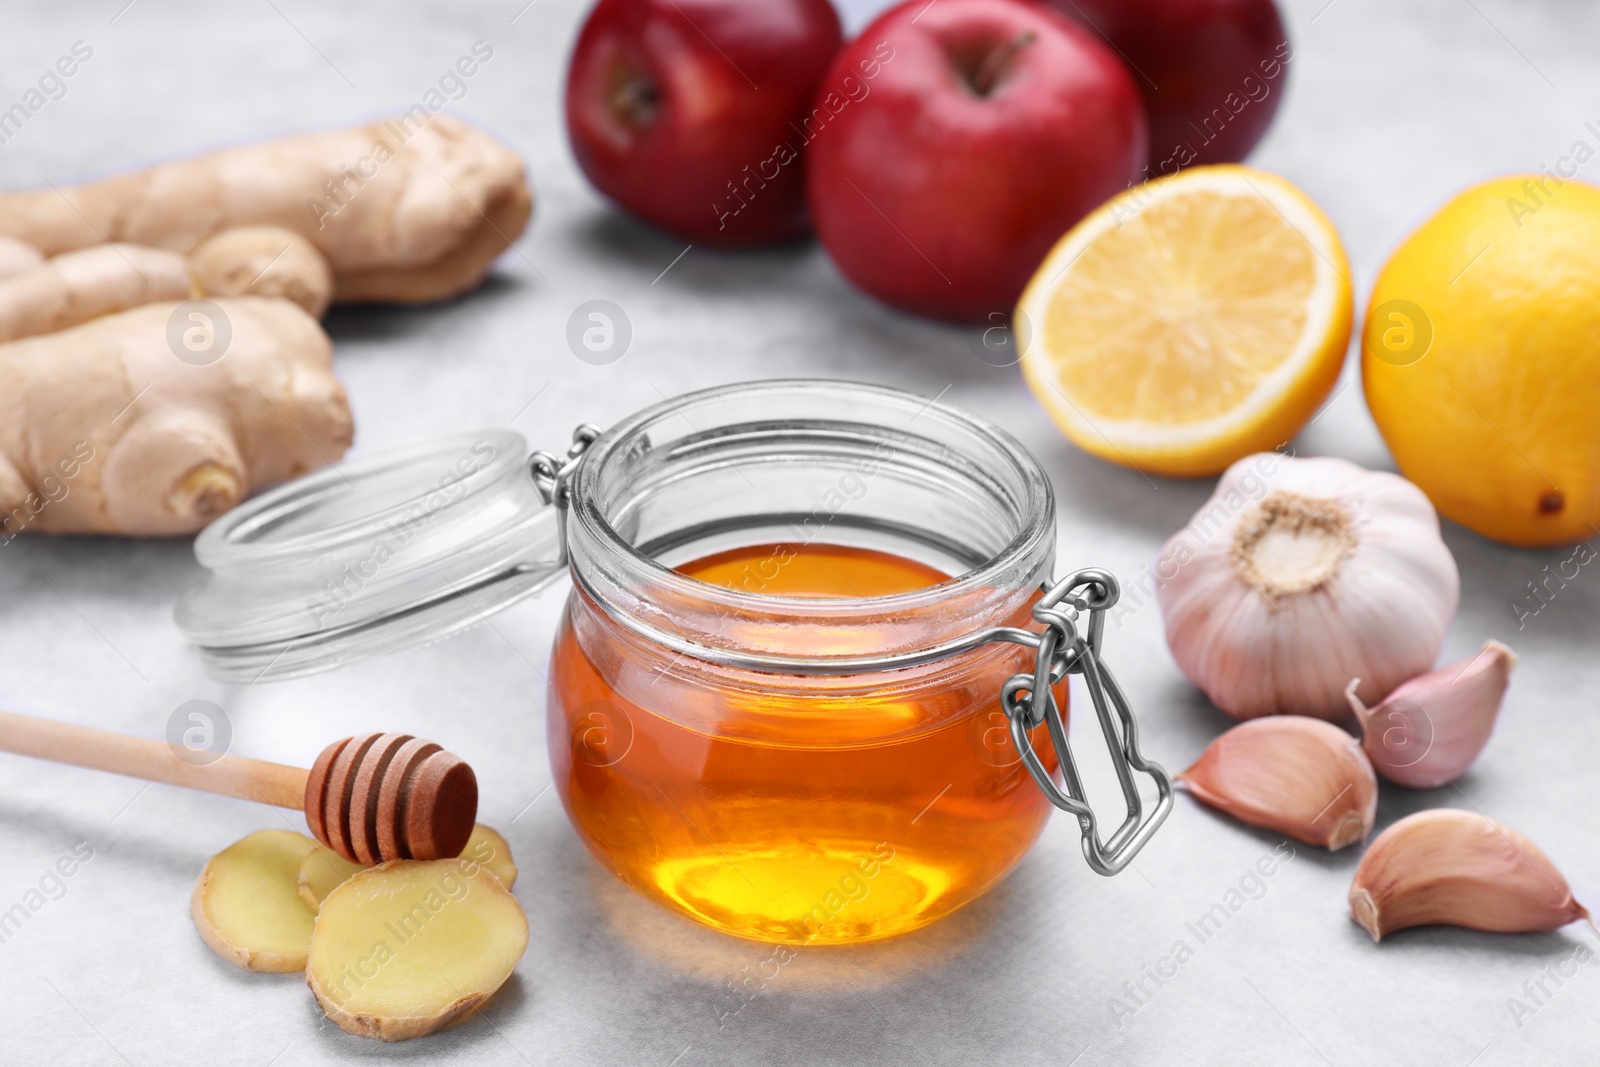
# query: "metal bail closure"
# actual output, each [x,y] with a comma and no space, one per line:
[552,474]
[1063,650]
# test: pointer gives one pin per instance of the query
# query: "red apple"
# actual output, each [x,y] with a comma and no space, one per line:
[952,143]
[686,112]
[1212,72]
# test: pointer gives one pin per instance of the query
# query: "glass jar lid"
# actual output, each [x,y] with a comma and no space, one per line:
[359,559]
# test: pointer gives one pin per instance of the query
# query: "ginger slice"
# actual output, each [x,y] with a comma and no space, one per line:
[489,850]
[321,872]
[246,907]
[324,869]
[411,946]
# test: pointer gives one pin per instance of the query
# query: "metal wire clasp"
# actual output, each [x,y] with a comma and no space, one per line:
[1027,700]
[551,473]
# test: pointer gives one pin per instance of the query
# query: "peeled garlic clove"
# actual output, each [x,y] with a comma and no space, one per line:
[1430,730]
[1299,574]
[1458,868]
[1299,776]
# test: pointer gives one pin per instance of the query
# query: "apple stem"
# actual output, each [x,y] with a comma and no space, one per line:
[988,73]
[636,101]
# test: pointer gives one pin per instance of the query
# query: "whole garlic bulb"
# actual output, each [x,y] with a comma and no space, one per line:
[1299,575]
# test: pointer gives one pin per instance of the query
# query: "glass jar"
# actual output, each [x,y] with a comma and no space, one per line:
[787,768]
[798,807]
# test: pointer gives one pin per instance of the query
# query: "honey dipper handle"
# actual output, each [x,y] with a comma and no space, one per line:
[154,761]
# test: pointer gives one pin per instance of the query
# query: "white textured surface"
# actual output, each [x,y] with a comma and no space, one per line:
[1392,105]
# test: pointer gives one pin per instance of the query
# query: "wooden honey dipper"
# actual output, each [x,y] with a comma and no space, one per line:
[370,798]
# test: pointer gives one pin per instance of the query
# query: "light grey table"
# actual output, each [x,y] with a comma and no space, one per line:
[1392,105]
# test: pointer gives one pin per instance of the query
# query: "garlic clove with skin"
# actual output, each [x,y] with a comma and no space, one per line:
[1300,574]
[1430,730]
[1458,868]
[1302,777]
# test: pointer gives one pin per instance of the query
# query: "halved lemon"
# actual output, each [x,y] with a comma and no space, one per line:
[1189,321]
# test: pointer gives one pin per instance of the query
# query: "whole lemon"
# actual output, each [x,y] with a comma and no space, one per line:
[1481,359]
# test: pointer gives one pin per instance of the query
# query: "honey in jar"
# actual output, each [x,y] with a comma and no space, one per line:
[810,812]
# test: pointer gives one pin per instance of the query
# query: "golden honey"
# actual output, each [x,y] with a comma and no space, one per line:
[794,809]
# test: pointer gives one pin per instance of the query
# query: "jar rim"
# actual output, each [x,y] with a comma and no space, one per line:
[1037,528]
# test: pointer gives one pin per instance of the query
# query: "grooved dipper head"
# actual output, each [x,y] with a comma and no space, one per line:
[379,797]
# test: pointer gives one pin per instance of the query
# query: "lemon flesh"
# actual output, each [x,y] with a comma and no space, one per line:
[1190,321]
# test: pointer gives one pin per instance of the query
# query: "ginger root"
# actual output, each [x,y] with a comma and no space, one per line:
[78,286]
[324,870]
[17,256]
[410,947]
[154,421]
[410,209]
[246,907]
[264,261]
[74,287]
